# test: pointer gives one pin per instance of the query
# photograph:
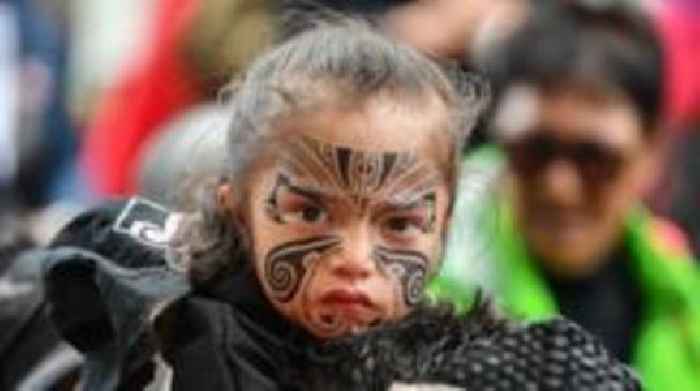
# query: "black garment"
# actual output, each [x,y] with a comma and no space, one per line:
[229,337]
[607,303]
[32,354]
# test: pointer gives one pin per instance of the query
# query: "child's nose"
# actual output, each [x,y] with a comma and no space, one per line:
[354,262]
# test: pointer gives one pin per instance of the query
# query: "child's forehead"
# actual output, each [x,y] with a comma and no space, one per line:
[324,170]
[302,152]
[374,125]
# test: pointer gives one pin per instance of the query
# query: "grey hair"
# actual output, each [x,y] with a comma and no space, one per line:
[347,58]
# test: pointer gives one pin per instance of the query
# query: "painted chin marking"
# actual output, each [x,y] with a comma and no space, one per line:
[329,325]
[336,325]
[286,265]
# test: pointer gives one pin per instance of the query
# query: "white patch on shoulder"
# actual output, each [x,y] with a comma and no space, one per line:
[423,387]
[147,222]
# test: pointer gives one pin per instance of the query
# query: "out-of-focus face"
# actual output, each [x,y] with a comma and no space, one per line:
[347,211]
[580,161]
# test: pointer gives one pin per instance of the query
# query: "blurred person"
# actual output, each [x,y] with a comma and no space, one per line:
[580,123]
[464,31]
[195,46]
[46,143]
[303,266]
[9,70]
[455,29]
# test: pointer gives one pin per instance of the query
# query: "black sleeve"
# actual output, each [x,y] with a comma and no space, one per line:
[106,276]
[30,350]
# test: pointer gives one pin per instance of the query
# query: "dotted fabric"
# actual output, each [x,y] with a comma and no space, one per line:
[478,351]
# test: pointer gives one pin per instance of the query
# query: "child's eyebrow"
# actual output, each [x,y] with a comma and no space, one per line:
[313,194]
[404,203]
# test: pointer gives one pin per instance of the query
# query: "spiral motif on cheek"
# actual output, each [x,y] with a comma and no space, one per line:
[286,264]
[414,286]
[284,278]
[408,267]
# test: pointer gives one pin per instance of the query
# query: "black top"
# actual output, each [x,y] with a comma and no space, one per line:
[108,279]
[607,303]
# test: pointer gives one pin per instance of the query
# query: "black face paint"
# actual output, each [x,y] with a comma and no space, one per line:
[362,175]
[410,267]
[430,201]
[426,201]
[271,203]
[286,265]
[271,206]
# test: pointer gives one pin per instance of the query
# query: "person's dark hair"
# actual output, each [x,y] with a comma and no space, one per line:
[347,62]
[611,44]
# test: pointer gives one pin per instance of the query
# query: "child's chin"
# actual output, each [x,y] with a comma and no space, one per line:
[344,328]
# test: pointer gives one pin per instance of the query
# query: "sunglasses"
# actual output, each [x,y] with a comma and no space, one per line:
[595,162]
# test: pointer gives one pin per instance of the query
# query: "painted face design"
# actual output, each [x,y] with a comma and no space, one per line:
[409,267]
[287,264]
[360,175]
[359,232]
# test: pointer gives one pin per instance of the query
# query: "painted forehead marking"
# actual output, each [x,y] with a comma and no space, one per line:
[359,174]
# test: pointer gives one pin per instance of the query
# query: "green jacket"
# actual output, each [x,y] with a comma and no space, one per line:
[667,351]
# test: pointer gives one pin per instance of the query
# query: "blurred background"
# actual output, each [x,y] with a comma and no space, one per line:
[87,85]
[110,98]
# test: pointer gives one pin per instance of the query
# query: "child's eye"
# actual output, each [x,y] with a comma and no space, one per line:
[312,214]
[404,225]
[308,214]
[295,208]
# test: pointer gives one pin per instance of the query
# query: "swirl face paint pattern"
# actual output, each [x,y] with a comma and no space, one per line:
[286,265]
[321,197]
[361,175]
[409,267]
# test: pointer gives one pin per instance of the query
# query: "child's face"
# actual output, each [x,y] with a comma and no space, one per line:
[347,211]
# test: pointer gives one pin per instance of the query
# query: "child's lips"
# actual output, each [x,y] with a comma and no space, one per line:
[348,300]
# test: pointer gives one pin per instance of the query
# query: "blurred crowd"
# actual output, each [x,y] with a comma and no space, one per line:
[581,187]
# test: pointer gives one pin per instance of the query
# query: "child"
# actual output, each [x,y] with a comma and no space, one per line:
[330,216]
